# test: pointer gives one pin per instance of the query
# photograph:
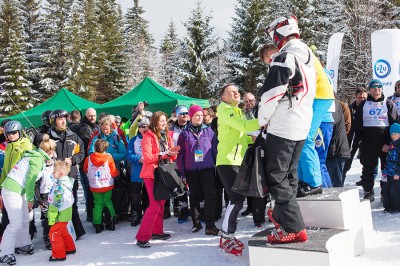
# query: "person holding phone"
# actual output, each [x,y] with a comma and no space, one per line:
[156,144]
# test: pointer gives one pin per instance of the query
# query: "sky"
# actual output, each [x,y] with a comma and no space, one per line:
[160,12]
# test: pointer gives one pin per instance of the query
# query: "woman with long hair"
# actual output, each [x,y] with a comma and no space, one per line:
[156,143]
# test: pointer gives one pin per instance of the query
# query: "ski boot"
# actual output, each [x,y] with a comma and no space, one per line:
[280,236]
[230,244]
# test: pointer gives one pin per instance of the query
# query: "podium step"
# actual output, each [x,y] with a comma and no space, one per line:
[324,247]
[337,208]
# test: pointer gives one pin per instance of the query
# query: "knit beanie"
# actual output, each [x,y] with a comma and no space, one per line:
[395,128]
[194,109]
[374,81]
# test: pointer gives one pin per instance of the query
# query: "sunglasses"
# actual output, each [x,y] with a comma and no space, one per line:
[145,126]
[11,133]
[376,86]
[184,113]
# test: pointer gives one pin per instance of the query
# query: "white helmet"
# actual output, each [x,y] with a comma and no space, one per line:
[281,28]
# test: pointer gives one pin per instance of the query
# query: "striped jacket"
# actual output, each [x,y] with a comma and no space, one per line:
[289,117]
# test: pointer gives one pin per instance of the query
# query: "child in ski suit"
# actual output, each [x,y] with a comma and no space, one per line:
[101,170]
[42,190]
[18,195]
[390,183]
[60,212]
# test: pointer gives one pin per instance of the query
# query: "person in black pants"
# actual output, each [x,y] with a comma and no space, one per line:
[373,118]
[286,110]
[196,162]
[70,149]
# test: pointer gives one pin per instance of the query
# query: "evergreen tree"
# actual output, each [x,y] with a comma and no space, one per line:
[111,59]
[245,38]
[14,72]
[310,29]
[198,48]
[140,48]
[220,75]
[82,50]
[54,39]
[169,57]
[32,25]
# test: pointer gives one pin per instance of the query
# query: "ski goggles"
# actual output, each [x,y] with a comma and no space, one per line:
[377,86]
[12,133]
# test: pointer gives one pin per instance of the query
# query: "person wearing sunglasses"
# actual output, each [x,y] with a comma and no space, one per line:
[17,145]
[139,199]
[395,98]
[373,118]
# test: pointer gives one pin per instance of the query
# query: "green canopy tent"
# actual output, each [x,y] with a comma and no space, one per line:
[159,99]
[63,99]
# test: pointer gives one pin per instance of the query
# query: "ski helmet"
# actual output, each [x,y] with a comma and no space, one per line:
[46,118]
[57,113]
[281,28]
[13,126]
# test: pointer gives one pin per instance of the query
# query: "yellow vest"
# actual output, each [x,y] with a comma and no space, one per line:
[324,87]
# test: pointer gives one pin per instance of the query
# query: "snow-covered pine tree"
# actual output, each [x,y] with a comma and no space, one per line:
[279,8]
[32,23]
[305,11]
[14,73]
[220,75]
[82,39]
[54,39]
[198,48]
[85,50]
[245,39]
[112,57]
[140,50]
[391,12]
[169,48]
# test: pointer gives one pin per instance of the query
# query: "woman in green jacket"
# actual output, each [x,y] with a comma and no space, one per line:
[18,193]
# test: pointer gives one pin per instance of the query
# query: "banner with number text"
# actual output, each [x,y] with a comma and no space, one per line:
[332,59]
[385,45]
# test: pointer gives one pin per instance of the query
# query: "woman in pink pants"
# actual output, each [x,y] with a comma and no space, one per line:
[156,141]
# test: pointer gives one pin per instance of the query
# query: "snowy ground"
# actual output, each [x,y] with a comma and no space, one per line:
[186,248]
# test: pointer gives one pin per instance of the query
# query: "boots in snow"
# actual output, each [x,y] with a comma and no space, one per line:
[167,212]
[135,219]
[110,225]
[9,259]
[183,212]
[27,250]
[98,228]
[47,242]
